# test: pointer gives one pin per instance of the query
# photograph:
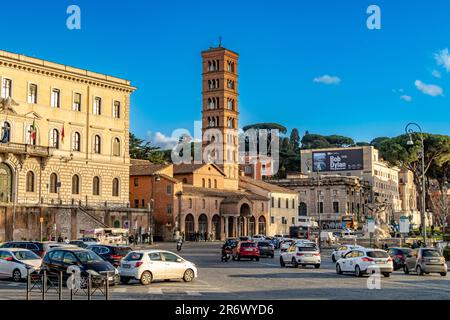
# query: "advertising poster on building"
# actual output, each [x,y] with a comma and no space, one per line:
[338,160]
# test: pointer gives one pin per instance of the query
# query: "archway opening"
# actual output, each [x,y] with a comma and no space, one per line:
[216,227]
[189,227]
[203,226]
[262,225]
[5,183]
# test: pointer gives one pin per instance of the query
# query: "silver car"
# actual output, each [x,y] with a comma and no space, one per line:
[425,261]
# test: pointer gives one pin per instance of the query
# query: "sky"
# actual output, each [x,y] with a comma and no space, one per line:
[307,64]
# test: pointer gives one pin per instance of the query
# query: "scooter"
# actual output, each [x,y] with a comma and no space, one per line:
[226,254]
[179,244]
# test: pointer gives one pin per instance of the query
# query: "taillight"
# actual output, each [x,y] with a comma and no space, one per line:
[116,257]
[367,259]
[389,259]
[41,254]
[317,254]
[299,254]
[138,264]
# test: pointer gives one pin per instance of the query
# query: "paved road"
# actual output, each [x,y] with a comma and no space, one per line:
[265,280]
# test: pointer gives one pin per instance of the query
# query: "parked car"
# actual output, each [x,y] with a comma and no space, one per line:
[90,241]
[285,244]
[149,265]
[113,254]
[245,238]
[35,246]
[231,242]
[60,259]
[301,255]
[398,256]
[363,260]
[340,251]
[246,249]
[78,243]
[258,237]
[425,261]
[305,243]
[266,249]
[14,263]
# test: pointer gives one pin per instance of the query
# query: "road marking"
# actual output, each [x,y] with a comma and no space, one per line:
[154,291]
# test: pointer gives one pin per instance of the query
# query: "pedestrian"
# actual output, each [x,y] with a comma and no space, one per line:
[66,240]
[205,236]
[60,239]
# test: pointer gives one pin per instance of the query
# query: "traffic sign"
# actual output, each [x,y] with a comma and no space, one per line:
[370,225]
[41,220]
[404,224]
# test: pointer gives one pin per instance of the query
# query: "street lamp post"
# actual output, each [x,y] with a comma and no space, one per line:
[151,209]
[310,169]
[410,142]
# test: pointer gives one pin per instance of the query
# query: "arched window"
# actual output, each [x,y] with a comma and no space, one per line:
[53,183]
[209,183]
[115,187]
[30,181]
[96,186]
[6,132]
[287,203]
[215,183]
[190,203]
[54,138]
[203,183]
[97,144]
[75,184]
[116,147]
[76,143]
[203,203]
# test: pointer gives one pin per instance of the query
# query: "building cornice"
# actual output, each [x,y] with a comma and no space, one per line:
[63,72]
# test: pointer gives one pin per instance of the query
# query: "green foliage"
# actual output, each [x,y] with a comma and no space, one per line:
[267,126]
[141,149]
[317,141]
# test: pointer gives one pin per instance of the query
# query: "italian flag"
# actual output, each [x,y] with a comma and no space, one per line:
[33,131]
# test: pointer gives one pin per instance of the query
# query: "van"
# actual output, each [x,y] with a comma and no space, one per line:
[328,237]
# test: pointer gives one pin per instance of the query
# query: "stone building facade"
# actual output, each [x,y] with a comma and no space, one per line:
[64,140]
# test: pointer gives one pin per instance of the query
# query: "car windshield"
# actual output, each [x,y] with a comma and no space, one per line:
[307,249]
[88,256]
[231,243]
[263,244]
[377,254]
[26,255]
[430,253]
[133,256]
[248,244]
[406,251]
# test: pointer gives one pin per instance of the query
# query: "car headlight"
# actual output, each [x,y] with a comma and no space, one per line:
[93,273]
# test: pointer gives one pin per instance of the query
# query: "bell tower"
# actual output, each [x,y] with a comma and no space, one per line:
[220,112]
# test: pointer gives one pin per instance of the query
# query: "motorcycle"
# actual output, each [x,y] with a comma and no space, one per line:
[226,254]
[179,244]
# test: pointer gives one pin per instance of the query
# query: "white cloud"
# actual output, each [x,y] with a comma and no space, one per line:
[443,59]
[327,79]
[429,89]
[436,74]
[406,98]
[164,142]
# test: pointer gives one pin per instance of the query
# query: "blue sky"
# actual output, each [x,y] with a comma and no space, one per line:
[283,47]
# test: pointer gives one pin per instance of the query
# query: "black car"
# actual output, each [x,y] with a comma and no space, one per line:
[35,246]
[78,243]
[398,256]
[60,259]
[266,249]
[231,242]
[112,254]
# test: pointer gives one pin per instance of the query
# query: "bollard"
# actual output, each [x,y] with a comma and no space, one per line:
[60,285]
[89,285]
[28,283]
[44,284]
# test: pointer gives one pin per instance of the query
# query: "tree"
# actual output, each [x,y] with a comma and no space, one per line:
[266,126]
[141,149]
[339,141]
[377,142]
[314,141]
[439,198]
[295,139]
[397,152]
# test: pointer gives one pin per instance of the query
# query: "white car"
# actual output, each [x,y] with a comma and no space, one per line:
[340,251]
[90,241]
[285,244]
[301,255]
[362,261]
[305,243]
[258,237]
[14,263]
[149,265]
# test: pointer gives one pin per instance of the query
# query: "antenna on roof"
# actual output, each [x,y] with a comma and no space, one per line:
[220,41]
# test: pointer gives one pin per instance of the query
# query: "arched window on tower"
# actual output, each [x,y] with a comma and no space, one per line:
[116,147]
[30,181]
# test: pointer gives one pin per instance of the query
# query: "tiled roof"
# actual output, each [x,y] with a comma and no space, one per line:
[147,169]
[266,186]
[191,167]
[229,195]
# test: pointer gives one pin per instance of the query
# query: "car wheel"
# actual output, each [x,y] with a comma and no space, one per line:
[282,262]
[257,259]
[387,274]
[234,258]
[338,269]
[405,269]
[188,275]
[239,258]
[125,280]
[272,256]
[294,263]
[419,270]
[16,275]
[146,278]
[317,266]
[358,272]
[443,274]
[333,258]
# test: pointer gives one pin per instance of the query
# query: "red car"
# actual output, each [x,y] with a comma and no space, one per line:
[246,249]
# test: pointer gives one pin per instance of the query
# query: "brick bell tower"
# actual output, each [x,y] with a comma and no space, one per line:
[220,112]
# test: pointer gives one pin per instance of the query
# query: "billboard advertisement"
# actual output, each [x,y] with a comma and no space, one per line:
[338,160]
